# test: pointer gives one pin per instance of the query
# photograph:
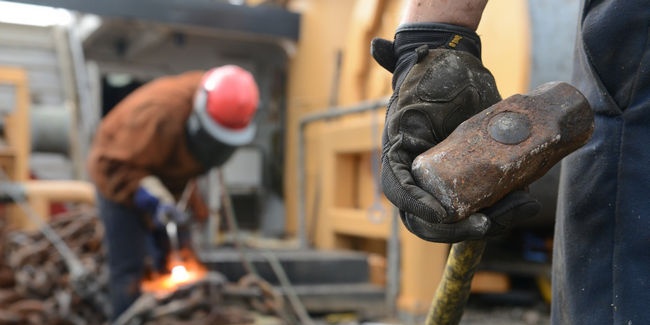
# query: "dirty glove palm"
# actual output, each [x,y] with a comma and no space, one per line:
[438,82]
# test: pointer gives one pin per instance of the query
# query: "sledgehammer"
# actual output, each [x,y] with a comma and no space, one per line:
[504,148]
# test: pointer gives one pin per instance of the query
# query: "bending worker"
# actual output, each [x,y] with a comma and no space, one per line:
[156,140]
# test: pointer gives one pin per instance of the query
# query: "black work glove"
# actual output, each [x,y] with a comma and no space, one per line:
[438,82]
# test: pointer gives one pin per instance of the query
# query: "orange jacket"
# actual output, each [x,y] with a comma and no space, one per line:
[145,135]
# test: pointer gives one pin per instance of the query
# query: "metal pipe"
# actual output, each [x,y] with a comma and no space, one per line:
[60,190]
[51,130]
[304,121]
[392,270]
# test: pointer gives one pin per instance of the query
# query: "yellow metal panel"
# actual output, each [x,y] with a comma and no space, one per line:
[355,222]
[506,38]
[324,26]
[356,64]
[17,122]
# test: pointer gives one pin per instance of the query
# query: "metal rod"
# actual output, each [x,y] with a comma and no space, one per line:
[172,233]
[306,120]
[229,213]
[185,197]
[392,270]
[291,294]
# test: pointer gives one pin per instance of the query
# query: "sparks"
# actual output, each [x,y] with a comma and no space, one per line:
[179,274]
[184,270]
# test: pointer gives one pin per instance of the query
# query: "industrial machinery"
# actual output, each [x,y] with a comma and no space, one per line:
[15,150]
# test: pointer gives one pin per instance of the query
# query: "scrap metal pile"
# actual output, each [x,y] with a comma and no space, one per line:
[36,286]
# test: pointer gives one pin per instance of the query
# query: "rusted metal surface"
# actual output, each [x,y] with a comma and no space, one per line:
[35,284]
[201,302]
[267,300]
[504,148]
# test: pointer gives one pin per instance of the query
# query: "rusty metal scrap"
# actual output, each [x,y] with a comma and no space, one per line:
[268,300]
[35,284]
[201,302]
[34,280]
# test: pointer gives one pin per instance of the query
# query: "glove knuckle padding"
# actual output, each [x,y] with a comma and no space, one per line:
[450,86]
[474,227]
[516,206]
[400,189]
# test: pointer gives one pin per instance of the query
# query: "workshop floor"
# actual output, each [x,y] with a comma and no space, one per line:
[506,316]
[475,314]
[499,316]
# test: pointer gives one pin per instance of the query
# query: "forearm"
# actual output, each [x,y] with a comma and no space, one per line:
[466,13]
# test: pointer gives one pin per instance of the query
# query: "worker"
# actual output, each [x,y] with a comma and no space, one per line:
[149,147]
[601,257]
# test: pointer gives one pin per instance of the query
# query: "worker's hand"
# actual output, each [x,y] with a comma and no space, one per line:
[152,198]
[514,207]
[169,212]
[438,82]
[150,195]
[160,213]
[489,222]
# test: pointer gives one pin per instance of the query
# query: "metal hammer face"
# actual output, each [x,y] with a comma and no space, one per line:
[504,148]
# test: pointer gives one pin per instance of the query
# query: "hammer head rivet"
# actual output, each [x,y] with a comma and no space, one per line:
[509,128]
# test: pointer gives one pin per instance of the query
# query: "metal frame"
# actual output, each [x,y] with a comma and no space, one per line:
[330,113]
[268,21]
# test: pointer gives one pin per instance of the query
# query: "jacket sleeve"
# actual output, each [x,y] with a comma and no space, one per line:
[141,136]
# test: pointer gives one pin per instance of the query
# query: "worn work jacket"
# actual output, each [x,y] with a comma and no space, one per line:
[145,135]
[602,241]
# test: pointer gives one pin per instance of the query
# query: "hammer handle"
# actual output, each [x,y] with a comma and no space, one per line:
[454,287]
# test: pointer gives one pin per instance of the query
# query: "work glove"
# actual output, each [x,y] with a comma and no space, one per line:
[153,199]
[157,205]
[438,82]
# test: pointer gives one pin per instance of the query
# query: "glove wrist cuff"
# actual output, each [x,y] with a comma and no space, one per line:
[410,36]
[145,201]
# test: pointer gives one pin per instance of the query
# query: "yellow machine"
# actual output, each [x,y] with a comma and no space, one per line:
[15,146]
[343,206]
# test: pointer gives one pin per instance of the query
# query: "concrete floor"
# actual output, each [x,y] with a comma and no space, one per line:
[475,314]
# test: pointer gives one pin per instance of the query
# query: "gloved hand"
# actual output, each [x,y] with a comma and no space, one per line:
[438,82]
[157,204]
[156,209]
[152,198]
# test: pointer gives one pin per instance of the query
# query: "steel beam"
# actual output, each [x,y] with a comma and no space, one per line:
[259,20]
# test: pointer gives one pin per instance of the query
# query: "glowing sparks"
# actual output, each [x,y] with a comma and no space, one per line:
[183,271]
[179,274]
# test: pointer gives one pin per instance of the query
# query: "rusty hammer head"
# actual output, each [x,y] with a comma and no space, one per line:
[504,148]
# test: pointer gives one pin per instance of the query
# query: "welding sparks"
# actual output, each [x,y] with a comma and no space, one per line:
[183,271]
[179,274]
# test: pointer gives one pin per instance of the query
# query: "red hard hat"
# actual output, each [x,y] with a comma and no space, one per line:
[231,96]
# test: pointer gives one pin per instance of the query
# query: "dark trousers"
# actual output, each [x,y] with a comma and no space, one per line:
[126,242]
[601,256]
